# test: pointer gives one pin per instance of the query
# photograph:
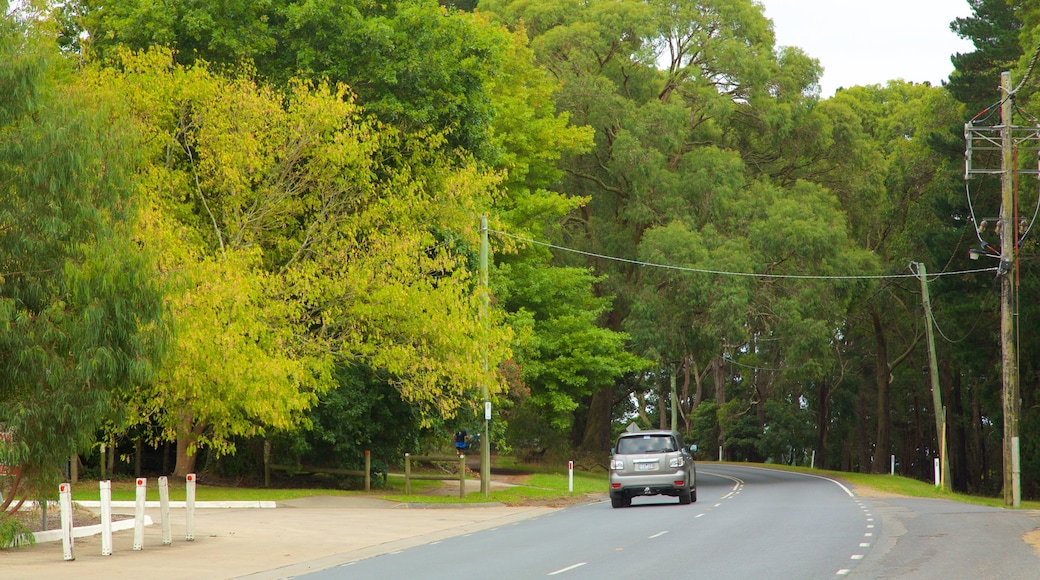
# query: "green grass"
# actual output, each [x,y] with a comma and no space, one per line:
[544,484]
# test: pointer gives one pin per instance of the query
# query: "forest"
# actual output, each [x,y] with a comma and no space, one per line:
[231,224]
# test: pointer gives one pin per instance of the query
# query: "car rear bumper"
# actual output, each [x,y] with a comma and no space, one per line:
[656,484]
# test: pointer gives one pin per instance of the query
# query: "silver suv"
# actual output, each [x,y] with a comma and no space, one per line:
[652,463]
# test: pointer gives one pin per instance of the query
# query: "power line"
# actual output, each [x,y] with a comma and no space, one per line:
[728,273]
[1029,71]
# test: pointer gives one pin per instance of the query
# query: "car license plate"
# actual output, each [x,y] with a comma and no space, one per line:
[646,466]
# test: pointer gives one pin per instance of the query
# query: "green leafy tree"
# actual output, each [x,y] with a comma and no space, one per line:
[80,312]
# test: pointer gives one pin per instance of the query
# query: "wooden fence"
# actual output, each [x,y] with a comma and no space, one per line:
[408,476]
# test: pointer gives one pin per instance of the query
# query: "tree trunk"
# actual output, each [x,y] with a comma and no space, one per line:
[862,425]
[821,418]
[720,394]
[597,430]
[187,438]
[883,377]
[138,453]
[664,397]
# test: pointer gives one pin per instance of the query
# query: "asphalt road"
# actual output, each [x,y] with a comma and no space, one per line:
[748,523]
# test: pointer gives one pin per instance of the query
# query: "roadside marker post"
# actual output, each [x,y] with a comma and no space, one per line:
[938,481]
[570,477]
[106,517]
[65,503]
[142,491]
[189,508]
[164,510]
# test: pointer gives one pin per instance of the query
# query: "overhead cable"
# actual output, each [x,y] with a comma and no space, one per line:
[728,273]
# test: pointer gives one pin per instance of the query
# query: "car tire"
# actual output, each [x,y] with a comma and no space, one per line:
[684,497]
[619,502]
[693,495]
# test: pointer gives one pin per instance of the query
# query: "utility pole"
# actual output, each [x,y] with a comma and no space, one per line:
[1007,139]
[485,440]
[933,371]
[1007,271]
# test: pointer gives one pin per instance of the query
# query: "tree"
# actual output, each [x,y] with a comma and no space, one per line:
[80,313]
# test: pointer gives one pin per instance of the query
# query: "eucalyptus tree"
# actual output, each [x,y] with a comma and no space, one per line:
[80,312]
[674,93]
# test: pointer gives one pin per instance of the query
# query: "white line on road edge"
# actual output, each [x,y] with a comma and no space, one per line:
[567,569]
[736,480]
[658,535]
[834,481]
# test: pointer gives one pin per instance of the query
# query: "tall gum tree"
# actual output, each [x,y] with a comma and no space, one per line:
[80,312]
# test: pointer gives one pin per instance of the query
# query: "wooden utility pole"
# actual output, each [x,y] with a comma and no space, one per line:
[485,440]
[933,371]
[1008,227]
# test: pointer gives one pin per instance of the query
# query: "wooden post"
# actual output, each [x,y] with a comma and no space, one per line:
[368,470]
[408,474]
[462,476]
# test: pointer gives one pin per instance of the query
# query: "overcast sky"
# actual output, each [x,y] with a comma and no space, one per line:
[861,42]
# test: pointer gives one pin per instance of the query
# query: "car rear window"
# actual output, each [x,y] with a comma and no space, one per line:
[646,444]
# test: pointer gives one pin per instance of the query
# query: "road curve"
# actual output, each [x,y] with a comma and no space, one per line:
[748,523]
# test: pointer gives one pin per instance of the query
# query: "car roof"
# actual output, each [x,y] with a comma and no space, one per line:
[651,432]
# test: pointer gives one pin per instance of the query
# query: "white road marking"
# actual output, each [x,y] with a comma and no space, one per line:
[857,556]
[834,481]
[568,568]
[658,535]
[843,572]
[868,535]
[865,545]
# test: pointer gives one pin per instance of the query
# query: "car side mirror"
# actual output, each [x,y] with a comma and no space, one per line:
[693,449]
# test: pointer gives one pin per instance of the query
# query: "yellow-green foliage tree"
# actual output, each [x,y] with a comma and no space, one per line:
[300,235]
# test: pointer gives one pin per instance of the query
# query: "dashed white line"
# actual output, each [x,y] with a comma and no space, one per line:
[699,516]
[658,535]
[567,569]
[843,572]
[865,545]
[857,556]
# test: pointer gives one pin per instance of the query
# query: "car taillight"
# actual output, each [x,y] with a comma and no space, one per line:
[676,462]
[617,464]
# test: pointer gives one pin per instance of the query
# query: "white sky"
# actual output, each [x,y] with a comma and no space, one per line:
[863,42]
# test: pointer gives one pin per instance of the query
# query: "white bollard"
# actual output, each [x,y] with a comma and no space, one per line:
[106,517]
[570,477]
[189,508]
[937,473]
[142,490]
[893,465]
[65,503]
[164,510]
[812,464]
